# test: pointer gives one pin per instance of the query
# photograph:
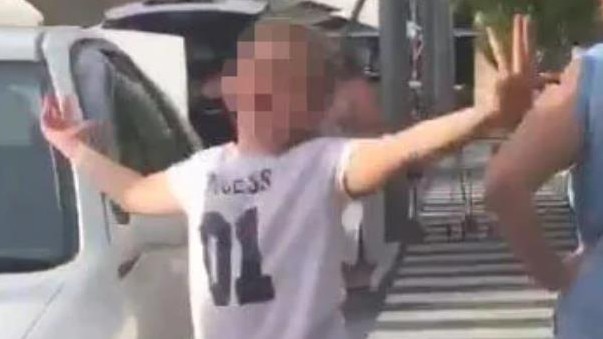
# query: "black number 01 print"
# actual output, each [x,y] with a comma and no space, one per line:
[252,286]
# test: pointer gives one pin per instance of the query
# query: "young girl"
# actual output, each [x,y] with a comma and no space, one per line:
[265,251]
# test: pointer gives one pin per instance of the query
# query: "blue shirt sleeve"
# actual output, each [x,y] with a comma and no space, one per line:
[584,92]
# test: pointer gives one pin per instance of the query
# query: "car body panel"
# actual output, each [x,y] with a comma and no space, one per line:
[19,44]
[144,50]
[233,6]
[205,51]
[23,299]
[89,304]
[91,296]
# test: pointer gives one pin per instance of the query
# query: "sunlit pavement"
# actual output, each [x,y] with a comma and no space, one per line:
[471,289]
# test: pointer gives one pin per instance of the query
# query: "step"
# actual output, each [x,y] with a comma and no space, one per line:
[467,315]
[554,203]
[472,333]
[462,269]
[451,218]
[445,194]
[489,233]
[492,280]
[461,257]
[439,238]
[473,246]
[436,227]
[483,297]
[480,209]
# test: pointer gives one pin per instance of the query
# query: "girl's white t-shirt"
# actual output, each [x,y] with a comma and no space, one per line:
[265,239]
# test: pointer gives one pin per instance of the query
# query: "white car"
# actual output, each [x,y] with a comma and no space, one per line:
[72,265]
[210,29]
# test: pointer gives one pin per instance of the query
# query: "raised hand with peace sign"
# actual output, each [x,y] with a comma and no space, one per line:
[61,127]
[517,75]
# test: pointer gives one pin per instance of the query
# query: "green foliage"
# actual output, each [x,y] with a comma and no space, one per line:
[559,23]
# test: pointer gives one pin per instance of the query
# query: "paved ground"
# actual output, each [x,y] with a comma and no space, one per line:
[472,289]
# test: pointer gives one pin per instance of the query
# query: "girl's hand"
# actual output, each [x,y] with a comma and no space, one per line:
[60,127]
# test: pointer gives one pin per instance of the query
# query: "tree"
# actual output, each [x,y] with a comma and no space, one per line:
[560,24]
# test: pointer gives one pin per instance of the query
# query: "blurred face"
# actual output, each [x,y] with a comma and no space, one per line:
[274,81]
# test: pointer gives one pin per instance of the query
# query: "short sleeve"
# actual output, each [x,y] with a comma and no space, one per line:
[342,156]
[187,180]
[584,91]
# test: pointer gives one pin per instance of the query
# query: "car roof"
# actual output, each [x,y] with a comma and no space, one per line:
[24,43]
[251,7]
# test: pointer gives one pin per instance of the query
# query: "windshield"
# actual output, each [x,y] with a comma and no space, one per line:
[37,217]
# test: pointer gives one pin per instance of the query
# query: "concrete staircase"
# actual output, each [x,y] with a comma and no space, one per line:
[472,288]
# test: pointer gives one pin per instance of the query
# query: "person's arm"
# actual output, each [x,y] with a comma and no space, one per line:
[372,162]
[132,191]
[548,141]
